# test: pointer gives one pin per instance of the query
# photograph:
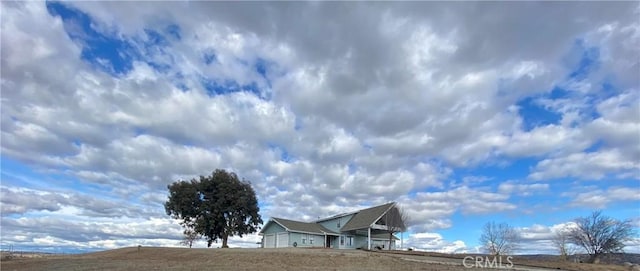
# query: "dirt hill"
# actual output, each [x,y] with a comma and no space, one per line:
[151,258]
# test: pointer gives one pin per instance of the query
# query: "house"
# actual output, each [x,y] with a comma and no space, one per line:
[365,229]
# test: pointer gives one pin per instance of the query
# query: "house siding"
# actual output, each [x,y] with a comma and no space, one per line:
[361,242]
[273,228]
[346,245]
[332,224]
[318,240]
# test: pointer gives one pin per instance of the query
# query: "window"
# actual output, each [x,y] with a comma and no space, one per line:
[349,241]
[342,240]
[304,239]
[338,224]
[311,240]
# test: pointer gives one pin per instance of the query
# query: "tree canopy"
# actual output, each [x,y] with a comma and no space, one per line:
[396,220]
[215,206]
[499,239]
[190,237]
[599,234]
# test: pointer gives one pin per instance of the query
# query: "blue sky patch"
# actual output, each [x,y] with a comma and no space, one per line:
[16,173]
[174,31]
[536,115]
[155,53]
[595,146]
[222,87]
[264,68]
[261,67]
[517,169]
[589,60]
[209,57]
[104,51]
[559,93]
[285,156]
[154,38]
[213,87]
[353,167]
[110,52]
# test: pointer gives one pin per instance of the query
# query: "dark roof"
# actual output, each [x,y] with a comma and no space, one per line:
[335,216]
[297,226]
[366,217]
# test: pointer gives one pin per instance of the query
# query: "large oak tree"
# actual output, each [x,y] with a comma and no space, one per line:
[215,206]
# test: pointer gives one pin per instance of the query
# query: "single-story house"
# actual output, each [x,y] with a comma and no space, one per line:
[366,229]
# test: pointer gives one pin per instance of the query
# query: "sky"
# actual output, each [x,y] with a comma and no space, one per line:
[461,112]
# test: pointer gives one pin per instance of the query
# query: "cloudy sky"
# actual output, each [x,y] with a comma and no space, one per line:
[464,113]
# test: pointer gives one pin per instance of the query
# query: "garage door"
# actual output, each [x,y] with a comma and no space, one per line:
[283,239]
[270,241]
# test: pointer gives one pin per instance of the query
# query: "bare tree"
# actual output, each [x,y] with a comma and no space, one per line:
[561,242]
[396,221]
[599,234]
[190,236]
[499,239]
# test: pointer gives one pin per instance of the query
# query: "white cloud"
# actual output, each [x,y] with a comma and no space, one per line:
[538,239]
[592,165]
[429,211]
[545,140]
[599,198]
[434,242]
[616,129]
[522,189]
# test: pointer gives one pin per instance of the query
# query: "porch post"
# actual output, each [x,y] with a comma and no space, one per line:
[369,237]
[325,240]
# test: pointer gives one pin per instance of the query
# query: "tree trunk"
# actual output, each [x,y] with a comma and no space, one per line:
[224,240]
[390,239]
[595,258]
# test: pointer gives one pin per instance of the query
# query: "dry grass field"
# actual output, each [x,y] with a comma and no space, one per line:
[526,262]
[150,258]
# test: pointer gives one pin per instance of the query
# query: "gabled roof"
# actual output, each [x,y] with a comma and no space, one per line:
[366,217]
[335,216]
[305,227]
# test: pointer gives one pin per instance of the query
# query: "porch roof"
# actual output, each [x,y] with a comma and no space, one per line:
[304,227]
[366,217]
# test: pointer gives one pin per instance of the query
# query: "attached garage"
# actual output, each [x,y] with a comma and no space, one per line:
[283,239]
[270,241]
[281,233]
